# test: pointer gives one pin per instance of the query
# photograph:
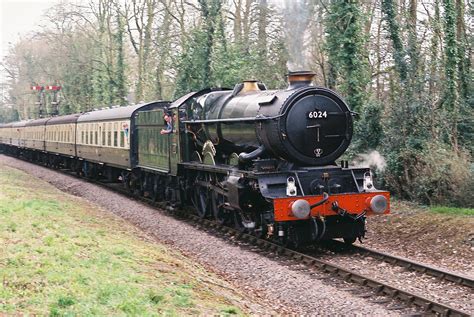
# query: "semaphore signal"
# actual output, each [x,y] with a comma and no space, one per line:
[41,97]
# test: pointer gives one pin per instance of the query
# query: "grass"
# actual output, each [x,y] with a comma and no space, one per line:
[405,206]
[453,210]
[61,256]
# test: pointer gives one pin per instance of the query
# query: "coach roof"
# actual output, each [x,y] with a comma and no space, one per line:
[20,124]
[116,113]
[37,122]
[70,118]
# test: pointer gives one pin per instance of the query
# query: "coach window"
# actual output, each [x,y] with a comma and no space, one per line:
[103,133]
[122,138]
[109,135]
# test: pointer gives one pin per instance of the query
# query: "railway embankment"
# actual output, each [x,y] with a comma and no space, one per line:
[60,254]
[442,239]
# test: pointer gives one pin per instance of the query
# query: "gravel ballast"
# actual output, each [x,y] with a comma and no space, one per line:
[448,293]
[279,287]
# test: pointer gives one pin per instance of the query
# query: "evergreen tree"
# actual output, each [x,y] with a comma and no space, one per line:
[345,42]
[451,99]
[120,76]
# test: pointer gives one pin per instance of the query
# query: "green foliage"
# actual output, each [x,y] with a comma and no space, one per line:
[345,45]
[120,82]
[227,63]
[368,130]
[191,75]
[451,97]
[8,114]
[388,7]
[431,173]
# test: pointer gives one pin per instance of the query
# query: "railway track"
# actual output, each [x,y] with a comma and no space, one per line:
[424,305]
[391,293]
[408,264]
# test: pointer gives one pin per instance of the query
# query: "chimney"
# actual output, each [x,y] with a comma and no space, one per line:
[300,79]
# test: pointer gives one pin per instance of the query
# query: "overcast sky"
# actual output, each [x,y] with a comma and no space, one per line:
[19,17]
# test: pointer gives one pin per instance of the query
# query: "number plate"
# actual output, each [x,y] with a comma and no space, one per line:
[317,114]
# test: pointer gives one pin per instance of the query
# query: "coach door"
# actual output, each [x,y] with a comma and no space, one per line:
[175,153]
[153,146]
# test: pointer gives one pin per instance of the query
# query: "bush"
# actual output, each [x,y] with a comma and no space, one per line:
[436,175]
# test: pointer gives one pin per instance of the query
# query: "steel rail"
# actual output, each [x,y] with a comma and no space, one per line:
[424,268]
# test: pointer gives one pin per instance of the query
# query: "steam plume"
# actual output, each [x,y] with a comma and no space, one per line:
[371,159]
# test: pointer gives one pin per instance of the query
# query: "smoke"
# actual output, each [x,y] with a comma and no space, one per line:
[296,18]
[372,159]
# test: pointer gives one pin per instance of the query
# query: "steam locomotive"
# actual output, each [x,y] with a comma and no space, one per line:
[261,160]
